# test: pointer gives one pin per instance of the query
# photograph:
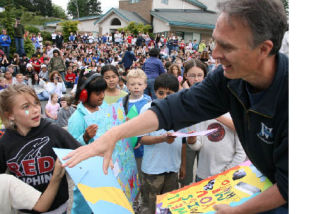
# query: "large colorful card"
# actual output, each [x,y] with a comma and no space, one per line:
[123,157]
[233,187]
[102,192]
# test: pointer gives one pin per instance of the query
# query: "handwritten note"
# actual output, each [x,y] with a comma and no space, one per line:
[200,133]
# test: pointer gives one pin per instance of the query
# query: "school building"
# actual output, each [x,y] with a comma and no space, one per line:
[189,19]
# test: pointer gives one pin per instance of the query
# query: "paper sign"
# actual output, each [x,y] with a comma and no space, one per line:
[102,192]
[234,187]
[194,134]
[126,171]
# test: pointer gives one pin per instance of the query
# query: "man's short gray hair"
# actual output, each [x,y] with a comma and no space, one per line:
[266,19]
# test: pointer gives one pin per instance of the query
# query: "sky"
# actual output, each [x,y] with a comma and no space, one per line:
[105,4]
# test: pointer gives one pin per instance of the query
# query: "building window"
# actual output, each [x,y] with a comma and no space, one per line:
[134,1]
[164,1]
[115,21]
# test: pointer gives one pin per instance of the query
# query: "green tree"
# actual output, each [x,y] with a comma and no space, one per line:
[58,11]
[94,7]
[67,27]
[78,8]
[46,37]
[7,21]
[28,47]
[31,29]
[135,28]
[44,7]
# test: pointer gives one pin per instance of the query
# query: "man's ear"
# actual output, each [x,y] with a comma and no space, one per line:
[266,47]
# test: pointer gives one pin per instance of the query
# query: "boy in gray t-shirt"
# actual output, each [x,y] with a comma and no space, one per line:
[65,111]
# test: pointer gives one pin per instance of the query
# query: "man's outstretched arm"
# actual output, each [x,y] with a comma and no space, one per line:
[104,145]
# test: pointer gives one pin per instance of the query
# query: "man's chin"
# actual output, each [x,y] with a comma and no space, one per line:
[228,75]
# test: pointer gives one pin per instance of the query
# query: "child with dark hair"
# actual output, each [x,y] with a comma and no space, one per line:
[164,155]
[90,93]
[39,85]
[111,76]
[70,78]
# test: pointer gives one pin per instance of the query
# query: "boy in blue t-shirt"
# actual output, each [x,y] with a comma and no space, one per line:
[136,83]
[164,155]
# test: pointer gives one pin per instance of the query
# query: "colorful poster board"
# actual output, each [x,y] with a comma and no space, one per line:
[233,187]
[102,192]
[123,157]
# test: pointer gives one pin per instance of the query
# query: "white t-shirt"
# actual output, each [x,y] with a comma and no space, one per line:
[219,151]
[15,194]
[91,39]
[162,157]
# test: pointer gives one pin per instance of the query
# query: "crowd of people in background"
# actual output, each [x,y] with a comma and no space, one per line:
[68,56]
[79,75]
[131,66]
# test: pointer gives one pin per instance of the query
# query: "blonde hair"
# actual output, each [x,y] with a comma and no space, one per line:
[7,98]
[137,73]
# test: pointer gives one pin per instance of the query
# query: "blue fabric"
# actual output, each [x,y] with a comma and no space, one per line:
[76,127]
[138,153]
[262,128]
[6,50]
[161,157]
[150,89]
[43,96]
[153,67]
[5,40]
[19,46]
[140,103]
[128,59]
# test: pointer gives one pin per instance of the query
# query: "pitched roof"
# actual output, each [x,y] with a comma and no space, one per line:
[187,18]
[126,15]
[197,3]
[85,18]
[77,19]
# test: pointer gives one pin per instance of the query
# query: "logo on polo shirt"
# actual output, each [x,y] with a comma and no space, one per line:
[266,134]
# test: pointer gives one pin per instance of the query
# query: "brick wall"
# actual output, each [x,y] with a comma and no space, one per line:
[142,8]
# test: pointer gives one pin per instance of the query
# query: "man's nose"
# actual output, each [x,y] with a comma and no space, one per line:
[216,53]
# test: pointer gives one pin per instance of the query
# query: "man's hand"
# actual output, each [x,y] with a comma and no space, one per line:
[225,209]
[97,148]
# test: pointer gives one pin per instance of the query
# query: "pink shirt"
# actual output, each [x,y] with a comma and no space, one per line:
[52,108]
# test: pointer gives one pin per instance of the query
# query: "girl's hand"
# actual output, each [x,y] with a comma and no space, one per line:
[169,138]
[58,171]
[137,146]
[90,132]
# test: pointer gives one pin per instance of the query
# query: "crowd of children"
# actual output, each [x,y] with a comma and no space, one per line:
[86,75]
